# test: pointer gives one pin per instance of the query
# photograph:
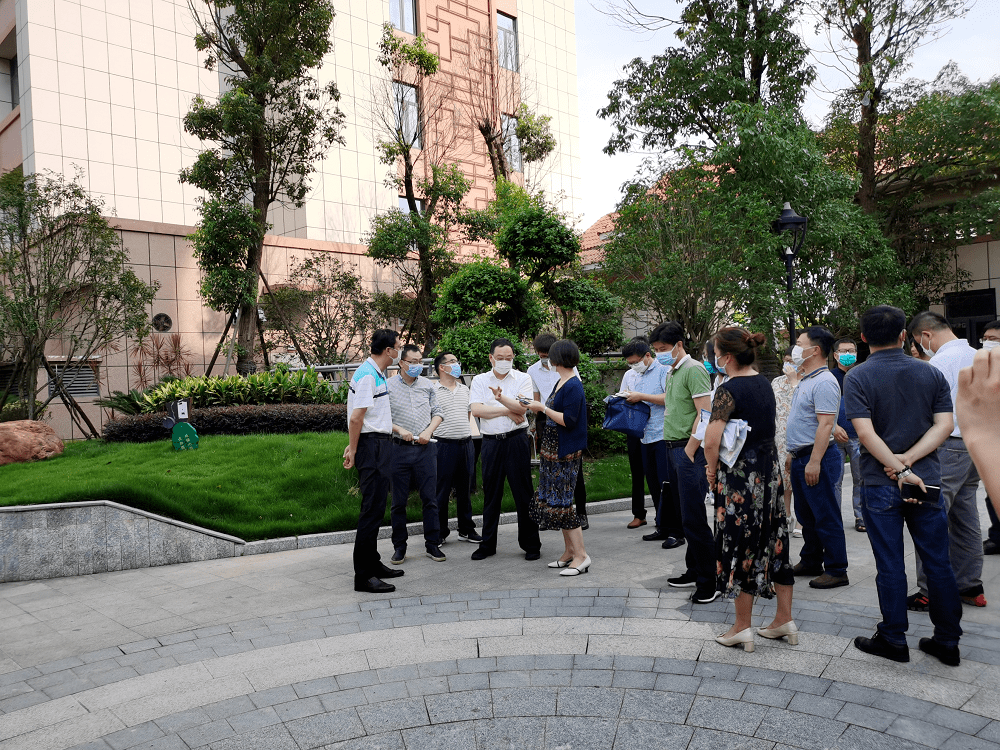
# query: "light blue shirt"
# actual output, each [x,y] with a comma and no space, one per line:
[653,381]
[817,393]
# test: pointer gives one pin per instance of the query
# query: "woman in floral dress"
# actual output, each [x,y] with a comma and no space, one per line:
[783,387]
[751,542]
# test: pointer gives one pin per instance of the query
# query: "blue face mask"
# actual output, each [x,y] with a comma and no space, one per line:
[719,367]
[708,366]
[456,370]
[665,358]
[414,370]
[847,359]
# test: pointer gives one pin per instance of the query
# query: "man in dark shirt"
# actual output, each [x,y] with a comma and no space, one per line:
[845,354]
[902,412]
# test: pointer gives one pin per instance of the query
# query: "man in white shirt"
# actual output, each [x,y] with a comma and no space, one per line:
[959,477]
[495,401]
[543,380]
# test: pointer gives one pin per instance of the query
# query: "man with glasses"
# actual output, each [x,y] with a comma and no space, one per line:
[369,425]
[415,416]
[845,354]
[455,455]
[496,399]
[991,545]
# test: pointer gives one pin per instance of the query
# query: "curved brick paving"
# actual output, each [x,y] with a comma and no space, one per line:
[150,659]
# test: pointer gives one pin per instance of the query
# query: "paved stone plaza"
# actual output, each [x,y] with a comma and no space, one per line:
[278,652]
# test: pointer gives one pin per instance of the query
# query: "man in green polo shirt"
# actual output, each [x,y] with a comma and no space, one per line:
[688,392]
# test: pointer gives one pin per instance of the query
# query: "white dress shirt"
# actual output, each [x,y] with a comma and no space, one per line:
[515,384]
[949,359]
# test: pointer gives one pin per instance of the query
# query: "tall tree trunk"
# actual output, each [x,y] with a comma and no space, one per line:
[865,197]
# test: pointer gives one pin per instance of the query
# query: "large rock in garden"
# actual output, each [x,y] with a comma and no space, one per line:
[27,440]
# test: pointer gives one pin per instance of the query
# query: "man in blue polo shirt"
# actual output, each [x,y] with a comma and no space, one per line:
[369,425]
[902,411]
[816,462]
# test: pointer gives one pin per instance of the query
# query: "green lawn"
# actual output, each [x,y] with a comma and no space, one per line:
[253,487]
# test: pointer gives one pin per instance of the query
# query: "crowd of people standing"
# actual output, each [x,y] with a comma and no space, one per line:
[718,432]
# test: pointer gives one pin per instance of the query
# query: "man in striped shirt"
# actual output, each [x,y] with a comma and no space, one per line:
[454,451]
[415,416]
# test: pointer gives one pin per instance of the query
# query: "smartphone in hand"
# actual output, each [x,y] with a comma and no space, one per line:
[524,401]
[913,492]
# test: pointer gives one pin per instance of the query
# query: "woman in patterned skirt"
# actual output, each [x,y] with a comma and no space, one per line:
[564,436]
[751,542]
[784,387]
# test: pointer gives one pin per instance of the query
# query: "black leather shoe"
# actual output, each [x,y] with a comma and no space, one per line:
[482,554]
[387,572]
[949,655]
[879,646]
[532,555]
[672,543]
[374,586]
[991,548]
[656,536]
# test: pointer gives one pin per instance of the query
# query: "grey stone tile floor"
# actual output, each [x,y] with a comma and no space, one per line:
[277,651]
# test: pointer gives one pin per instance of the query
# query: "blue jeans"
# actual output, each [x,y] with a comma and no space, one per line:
[418,462]
[689,478]
[851,452]
[884,513]
[817,508]
[959,482]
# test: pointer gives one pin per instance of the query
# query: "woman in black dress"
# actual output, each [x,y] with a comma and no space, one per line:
[751,540]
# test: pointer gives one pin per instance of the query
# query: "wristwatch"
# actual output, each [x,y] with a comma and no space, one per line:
[904,472]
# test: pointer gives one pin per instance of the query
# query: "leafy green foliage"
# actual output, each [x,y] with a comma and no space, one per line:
[15,410]
[471,344]
[534,134]
[485,291]
[536,242]
[730,51]
[591,315]
[264,135]
[65,276]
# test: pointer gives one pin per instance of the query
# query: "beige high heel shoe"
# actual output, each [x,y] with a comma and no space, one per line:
[789,630]
[744,638]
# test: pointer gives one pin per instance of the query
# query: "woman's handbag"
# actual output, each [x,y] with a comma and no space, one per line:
[621,416]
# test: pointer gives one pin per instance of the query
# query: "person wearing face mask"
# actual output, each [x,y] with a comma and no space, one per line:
[959,476]
[816,464]
[415,416]
[991,545]
[454,449]
[688,391]
[369,425]
[544,378]
[845,354]
[634,447]
[648,383]
[496,398]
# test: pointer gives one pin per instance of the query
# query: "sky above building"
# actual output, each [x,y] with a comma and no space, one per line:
[970,42]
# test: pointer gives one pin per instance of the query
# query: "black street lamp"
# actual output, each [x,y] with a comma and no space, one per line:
[791,222]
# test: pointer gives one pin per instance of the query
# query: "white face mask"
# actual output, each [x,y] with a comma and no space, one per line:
[395,360]
[544,361]
[502,366]
[639,367]
[788,367]
[987,345]
[927,347]
[798,355]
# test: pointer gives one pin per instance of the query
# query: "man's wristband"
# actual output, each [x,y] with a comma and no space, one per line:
[904,472]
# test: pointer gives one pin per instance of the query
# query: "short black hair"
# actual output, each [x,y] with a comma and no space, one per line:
[564,353]
[838,342]
[915,344]
[667,333]
[439,359]
[383,339]
[882,324]
[410,348]
[820,337]
[543,342]
[637,347]
[994,326]
[500,342]
[927,321]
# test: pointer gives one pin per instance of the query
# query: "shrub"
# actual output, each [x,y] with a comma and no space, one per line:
[471,344]
[599,441]
[279,386]
[14,411]
[276,419]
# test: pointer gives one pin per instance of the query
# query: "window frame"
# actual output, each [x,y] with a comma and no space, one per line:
[511,144]
[402,109]
[396,11]
[507,44]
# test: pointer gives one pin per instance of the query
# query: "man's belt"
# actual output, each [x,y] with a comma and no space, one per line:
[676,443]
[375,435]
[505,435]
[455,441]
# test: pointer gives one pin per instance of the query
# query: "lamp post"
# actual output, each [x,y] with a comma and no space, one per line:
[791,222]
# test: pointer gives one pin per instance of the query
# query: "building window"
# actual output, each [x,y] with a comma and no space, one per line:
[507,41]
[405,207]
[407,113]
[15,95]
[511,146]
[403,14]
[79,380]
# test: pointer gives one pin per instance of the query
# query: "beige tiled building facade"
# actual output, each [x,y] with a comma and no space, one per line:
[101,86]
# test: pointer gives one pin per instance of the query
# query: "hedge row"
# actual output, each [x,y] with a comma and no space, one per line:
[275,419]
